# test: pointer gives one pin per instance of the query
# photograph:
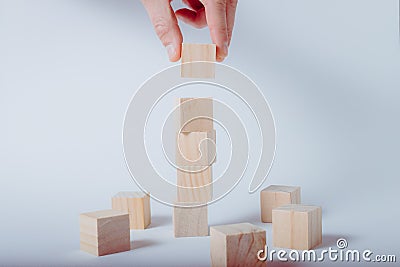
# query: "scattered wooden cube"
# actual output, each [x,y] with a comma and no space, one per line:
[277,195]
[236,245]
[196,148]
[297,226]
[198,60]
[190,221]
[195,115]
[104,232]
[194,184]
[137,204]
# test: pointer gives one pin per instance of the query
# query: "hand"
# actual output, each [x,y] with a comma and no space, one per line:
[219,15]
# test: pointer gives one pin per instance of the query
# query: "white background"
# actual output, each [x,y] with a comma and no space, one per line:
[329,69]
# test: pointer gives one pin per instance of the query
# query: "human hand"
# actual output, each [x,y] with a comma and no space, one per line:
[219,15]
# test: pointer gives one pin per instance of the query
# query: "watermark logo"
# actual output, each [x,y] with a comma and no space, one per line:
[341,243]
[139,134]
[339,254]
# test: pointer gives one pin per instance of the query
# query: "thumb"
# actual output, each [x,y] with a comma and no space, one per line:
[166,26]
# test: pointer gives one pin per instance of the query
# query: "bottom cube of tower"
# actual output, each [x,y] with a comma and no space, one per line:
[190,221]
[236,245]
[104,232]
[297,226]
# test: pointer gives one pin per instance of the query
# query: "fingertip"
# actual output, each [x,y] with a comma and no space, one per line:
[220,59]
[222,52]
[174,52]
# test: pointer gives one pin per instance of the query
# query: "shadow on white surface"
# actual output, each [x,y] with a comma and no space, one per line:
[160,220]
[137,244]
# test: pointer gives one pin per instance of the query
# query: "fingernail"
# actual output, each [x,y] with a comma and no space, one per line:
[225,49]
[171,51]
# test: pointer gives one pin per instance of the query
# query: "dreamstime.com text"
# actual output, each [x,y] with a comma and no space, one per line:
[341,254]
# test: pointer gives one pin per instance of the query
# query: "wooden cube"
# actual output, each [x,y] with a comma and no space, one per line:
[198,60]
[297,226]
[277,195]
[236,245]
[196,148]
[190,221]
[194,184]
[195,115]
[137,204]
[104,232]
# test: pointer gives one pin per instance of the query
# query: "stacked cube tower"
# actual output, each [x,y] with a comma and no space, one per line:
[195,146]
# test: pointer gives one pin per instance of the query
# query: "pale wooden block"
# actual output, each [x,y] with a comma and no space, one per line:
[277,195]
[137,204]
[194,184]
[190,221]
[236,245]
[297,226]
[104,232]
[195,114]
[198,60]
[196,148]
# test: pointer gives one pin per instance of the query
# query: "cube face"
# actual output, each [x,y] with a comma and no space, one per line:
[275,196]
[104,232]
[194,184]
[196,148]
[297,226]
[195,115]
[315,226]
[301,230]
[190,221]
[107,248]
[236,245]
[204,56]
[137,204]
[281,229]
[218,246]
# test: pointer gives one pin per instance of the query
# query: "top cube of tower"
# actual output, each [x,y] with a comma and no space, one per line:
[198,60]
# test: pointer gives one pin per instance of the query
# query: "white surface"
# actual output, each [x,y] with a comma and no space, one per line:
[330,71]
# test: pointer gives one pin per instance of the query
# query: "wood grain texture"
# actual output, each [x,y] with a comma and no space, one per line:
[297,226]
[236,245]
[137,204]
[196,148]
[277,195]
[104,232]
[194,184]
[195,114]
[198,60]
[190,221]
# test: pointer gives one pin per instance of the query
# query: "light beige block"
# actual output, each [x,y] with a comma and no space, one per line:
[236,245]
[196,148]
[190,221]
[297,226]
[104,232]
[137,204]
[195,114]
[198,60]
[277,195]
[194,184]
